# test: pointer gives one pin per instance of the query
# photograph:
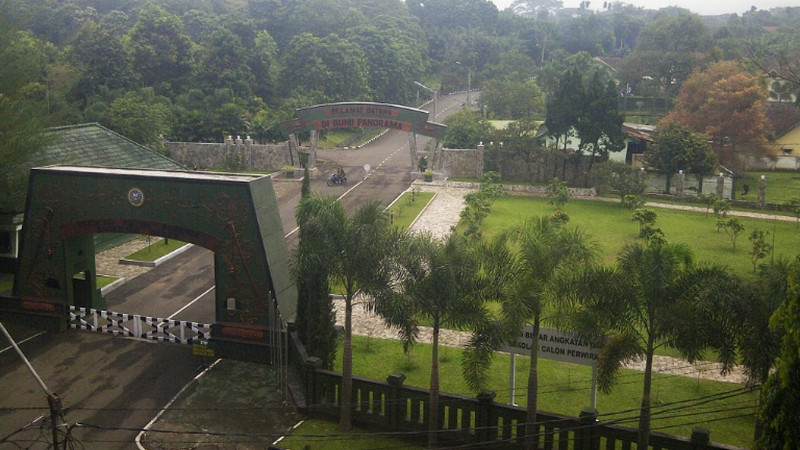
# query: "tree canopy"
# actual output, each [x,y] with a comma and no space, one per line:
[676,147]
[728,104]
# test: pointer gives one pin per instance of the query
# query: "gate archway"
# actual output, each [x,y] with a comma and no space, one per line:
[234,215]
[328,116]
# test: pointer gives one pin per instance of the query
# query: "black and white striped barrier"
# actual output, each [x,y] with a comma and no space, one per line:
[133,325]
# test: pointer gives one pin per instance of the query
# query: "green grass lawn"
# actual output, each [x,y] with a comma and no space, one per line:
[157,249]
[332,138]
[610,227]
[104,281]
[323,434]
[6,283]
[566,389]
[781,186]
[408,207]
[369,135]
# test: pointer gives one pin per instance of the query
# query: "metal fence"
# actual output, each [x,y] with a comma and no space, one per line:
[464,421]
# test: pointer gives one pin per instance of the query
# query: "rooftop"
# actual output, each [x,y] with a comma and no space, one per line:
[92,144]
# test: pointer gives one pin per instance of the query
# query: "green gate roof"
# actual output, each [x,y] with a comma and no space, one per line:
[93,145]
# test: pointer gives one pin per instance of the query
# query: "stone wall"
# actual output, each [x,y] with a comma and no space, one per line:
[782,162]
[525,189]
[236,154]
[657,184]
[461,162]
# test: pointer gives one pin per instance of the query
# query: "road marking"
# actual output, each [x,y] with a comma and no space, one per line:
[166,407]
[23,341]
[191,302]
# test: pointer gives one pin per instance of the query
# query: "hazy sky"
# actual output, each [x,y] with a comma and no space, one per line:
[710,7]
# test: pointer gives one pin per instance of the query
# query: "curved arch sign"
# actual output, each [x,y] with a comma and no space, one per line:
[329,116]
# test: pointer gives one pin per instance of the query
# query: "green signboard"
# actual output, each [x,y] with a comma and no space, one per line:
[363,115]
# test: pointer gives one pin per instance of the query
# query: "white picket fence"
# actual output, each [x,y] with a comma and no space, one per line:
[141,327]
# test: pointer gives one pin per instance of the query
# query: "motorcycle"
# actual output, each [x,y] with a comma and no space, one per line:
[337,179]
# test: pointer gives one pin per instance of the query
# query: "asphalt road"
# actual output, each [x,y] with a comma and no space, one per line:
[116,386]
[183,289]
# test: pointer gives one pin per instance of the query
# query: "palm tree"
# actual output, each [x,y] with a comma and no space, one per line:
[526,260]
[655,297]
[355,252]
[435,282]
[759,345]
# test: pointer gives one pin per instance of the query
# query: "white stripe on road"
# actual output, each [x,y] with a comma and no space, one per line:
[191,302]
[138,439]
[23,341]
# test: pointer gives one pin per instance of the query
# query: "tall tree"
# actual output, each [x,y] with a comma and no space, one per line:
[141,116]
[395,57]
[565,107]
[538,251]
[331,66]
[21,119]
[510,98]
[588,33]
[729,105]
[758,344]
[466,129]
[223,63]
[162,51]
[316,318]
[435,282]
[355,250]
[781,392]
[676,147]
[601,120]
[654,297]
[103,61]
[668,49]
[265,66]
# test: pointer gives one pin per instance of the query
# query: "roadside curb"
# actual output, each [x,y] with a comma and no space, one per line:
[113,285]
[167,257]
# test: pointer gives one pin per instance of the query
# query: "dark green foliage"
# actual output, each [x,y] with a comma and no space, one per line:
[632,201]
[761,249]
[305,190]
[565,107]
[466,129]
[315,314]
[438,281]
[707,199]
[508,98]
[655,296]
[676,147]
[645,218]
[479,204]
[558,193]
[666,51]
[781,392]
[620,178]
[21,119]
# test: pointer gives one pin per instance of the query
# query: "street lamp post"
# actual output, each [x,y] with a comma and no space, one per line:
[433,93]
[469,84]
